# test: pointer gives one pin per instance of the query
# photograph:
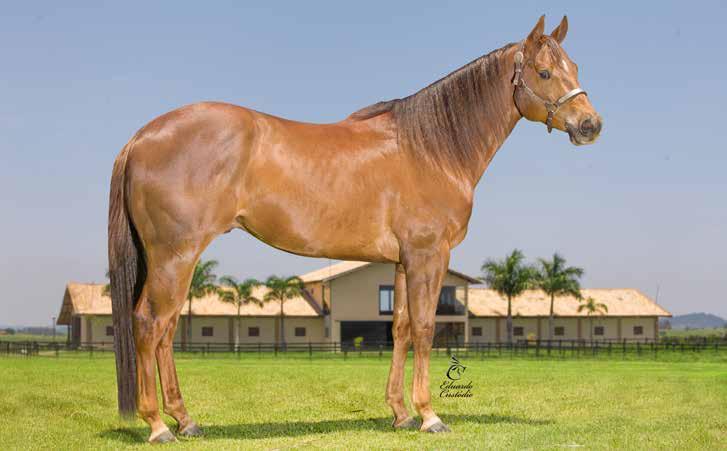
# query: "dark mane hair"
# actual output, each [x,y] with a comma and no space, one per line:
[449,121]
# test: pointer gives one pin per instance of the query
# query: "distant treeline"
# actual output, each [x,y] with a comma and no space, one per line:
[47,331]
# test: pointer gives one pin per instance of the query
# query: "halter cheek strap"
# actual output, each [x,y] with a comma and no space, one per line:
[551,107]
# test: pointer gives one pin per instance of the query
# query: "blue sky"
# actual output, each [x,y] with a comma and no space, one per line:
[645,206]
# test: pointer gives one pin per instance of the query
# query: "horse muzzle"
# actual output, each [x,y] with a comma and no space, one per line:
[586,132]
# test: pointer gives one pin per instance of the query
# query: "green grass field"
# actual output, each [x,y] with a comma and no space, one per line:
[710,332]
[61,338]
[264,403]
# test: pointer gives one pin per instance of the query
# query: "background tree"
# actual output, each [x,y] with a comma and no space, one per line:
[203,283]
[239,294]
[592,308]
[509,277]
[107,288]
[556,279]
[281,289]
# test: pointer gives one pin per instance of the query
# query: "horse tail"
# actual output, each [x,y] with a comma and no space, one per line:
[127,271]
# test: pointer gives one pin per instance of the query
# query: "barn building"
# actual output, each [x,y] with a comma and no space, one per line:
[355,299]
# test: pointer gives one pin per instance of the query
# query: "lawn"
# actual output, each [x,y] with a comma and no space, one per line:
[709,332]
[268,403]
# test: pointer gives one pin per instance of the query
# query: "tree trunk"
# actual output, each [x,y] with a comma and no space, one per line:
[282,324]
[237,334]
[509,320]
[189,324]
[551,318]
[590,324]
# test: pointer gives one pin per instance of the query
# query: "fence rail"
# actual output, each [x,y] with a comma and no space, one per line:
[522,348]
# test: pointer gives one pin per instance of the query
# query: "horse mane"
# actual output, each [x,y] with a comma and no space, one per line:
[448,121]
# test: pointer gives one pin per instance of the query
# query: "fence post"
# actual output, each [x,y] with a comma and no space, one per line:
[381,351]
[310,350]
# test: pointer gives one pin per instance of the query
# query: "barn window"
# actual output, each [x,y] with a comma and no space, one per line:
[518,331]
[476,331]
[253,331]
[559,331]
[208,331]
[638,330]
[109,331]
[598,330]
[386,299]
[300,331]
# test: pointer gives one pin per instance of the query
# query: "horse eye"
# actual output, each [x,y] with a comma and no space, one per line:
[544,74]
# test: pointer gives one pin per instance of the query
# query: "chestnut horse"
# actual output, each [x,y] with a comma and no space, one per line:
[392,182]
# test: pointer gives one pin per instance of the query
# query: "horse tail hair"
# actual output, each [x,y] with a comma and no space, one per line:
[127,271]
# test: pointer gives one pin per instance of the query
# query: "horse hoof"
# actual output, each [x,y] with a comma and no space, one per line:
[163,437]
[409,423]
[191,430]
[438,427]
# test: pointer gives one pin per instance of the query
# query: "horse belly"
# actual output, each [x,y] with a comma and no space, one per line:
[342,234]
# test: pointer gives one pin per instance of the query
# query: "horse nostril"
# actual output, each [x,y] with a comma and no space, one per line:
[587,127]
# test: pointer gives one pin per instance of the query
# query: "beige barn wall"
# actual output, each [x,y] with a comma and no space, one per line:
[313,329]
[220,325]
[93,329]
[355,297]
[489,331]
[267,329]
[610,324]
[224,329]
[647,322]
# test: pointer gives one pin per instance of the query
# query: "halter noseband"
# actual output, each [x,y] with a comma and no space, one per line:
[519,82]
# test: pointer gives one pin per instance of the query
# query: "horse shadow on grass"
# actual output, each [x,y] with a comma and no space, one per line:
[133,435]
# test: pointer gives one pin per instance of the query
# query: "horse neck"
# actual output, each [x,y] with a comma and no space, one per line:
[501,122]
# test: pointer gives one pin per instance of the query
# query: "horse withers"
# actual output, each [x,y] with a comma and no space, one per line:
[393,182]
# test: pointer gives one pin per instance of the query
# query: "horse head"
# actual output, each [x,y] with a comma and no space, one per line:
[547,88]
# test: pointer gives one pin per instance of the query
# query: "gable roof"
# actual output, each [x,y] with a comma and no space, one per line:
[342,268]
[88,299]
[535,303]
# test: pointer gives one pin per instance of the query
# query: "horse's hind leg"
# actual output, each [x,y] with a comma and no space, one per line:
[402,341]
[171,394]
[150,319]
[168,277]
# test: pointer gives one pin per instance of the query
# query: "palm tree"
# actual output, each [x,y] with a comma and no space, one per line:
[203,283]
[281,289]
[509,277]
[239,294]
[107,287]
[556,279]
[592,307]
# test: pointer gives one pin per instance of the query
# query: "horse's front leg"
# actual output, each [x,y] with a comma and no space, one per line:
[425,270]
[402,340]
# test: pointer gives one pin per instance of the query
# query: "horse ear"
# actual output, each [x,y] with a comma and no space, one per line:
[536,33]
[560,31]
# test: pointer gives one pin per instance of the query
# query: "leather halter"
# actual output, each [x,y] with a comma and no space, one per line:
[551,107]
